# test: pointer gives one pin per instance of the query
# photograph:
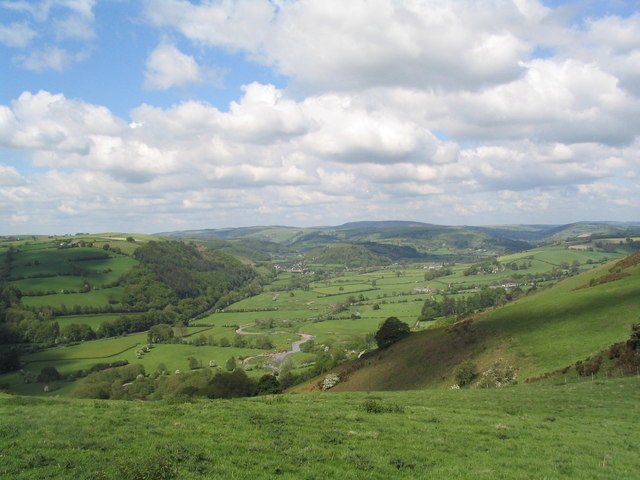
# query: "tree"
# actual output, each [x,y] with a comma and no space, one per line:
[160,333]
[268,384]
[391,330]
[193,362]
[9,360]
[48,374]
[465,373]
[231,363]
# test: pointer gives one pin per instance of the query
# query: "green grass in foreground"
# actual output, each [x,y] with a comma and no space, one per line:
[586,430]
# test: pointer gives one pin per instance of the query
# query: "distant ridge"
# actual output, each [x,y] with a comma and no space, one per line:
[385,224]
[461,236]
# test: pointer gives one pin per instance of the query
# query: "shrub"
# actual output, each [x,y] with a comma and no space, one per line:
[194,363]
[465,373]
[589,366]
[48,374]
[373,406]
[499,375]
[330,381]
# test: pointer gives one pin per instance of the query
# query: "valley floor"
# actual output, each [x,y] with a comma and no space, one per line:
[585,430]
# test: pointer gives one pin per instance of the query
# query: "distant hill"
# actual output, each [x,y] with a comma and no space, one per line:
[547,233]
[394,240]
[381,224]
[536,334]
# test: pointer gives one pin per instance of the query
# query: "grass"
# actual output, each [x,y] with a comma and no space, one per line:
[93,320]
[68,360]
[515,433]
[69,300]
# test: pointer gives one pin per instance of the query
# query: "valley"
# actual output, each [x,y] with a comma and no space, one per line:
[179,323]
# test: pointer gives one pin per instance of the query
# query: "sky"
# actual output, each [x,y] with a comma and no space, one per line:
[157,115]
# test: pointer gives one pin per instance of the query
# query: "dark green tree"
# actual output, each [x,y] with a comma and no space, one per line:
[231,363]
[161,333]
[48,374]
[391,330]
[268,384]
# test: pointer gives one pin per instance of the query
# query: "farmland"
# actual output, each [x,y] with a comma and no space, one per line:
[341,308]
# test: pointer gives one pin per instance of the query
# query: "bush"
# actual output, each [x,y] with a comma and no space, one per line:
[589,367]
[499,375]
[465,373]
[330,381]
[48,374]
[373,406]
[108,383]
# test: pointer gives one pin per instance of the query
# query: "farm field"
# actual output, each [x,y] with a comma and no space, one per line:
[466,434]
[341,310]
[93,298]
[94,321]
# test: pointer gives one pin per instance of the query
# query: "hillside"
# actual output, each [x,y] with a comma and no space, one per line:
[537,334]
[401,241]
[65,291]
[467,434]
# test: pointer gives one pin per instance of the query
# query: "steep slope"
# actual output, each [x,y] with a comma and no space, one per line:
[537,334]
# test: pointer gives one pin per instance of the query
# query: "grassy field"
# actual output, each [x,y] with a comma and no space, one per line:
[94,321]
[513,433]
[100,297]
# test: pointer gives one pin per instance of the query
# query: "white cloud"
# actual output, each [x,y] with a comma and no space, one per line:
[51,22]
[233,25]
[17,34]
[41,10]
[43,121]
[563,101]
[9,176]
[49,58]
[74,26]
[168,67]
[347,45]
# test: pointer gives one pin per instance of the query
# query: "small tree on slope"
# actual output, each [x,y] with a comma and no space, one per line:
[391,330]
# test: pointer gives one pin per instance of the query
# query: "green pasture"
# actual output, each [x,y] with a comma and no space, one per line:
[176,356]
[48,284]
[56,269]
[94,321]
[70,359]
[51,262]
[561,325]
[558,254]
[117,266]
[586,430]
[95,349]
[281,341]
[69,300]
[343,326]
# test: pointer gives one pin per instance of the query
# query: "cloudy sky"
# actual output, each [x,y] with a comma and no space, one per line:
[157,115]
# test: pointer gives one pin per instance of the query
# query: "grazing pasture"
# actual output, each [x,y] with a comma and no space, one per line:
[541,431]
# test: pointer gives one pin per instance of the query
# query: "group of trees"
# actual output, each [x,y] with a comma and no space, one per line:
[462,306]
[188,279]
[130,382]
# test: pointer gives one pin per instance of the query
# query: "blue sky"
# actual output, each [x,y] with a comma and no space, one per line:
[158,115]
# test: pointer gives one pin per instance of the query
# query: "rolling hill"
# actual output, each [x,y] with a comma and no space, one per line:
[420,240]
